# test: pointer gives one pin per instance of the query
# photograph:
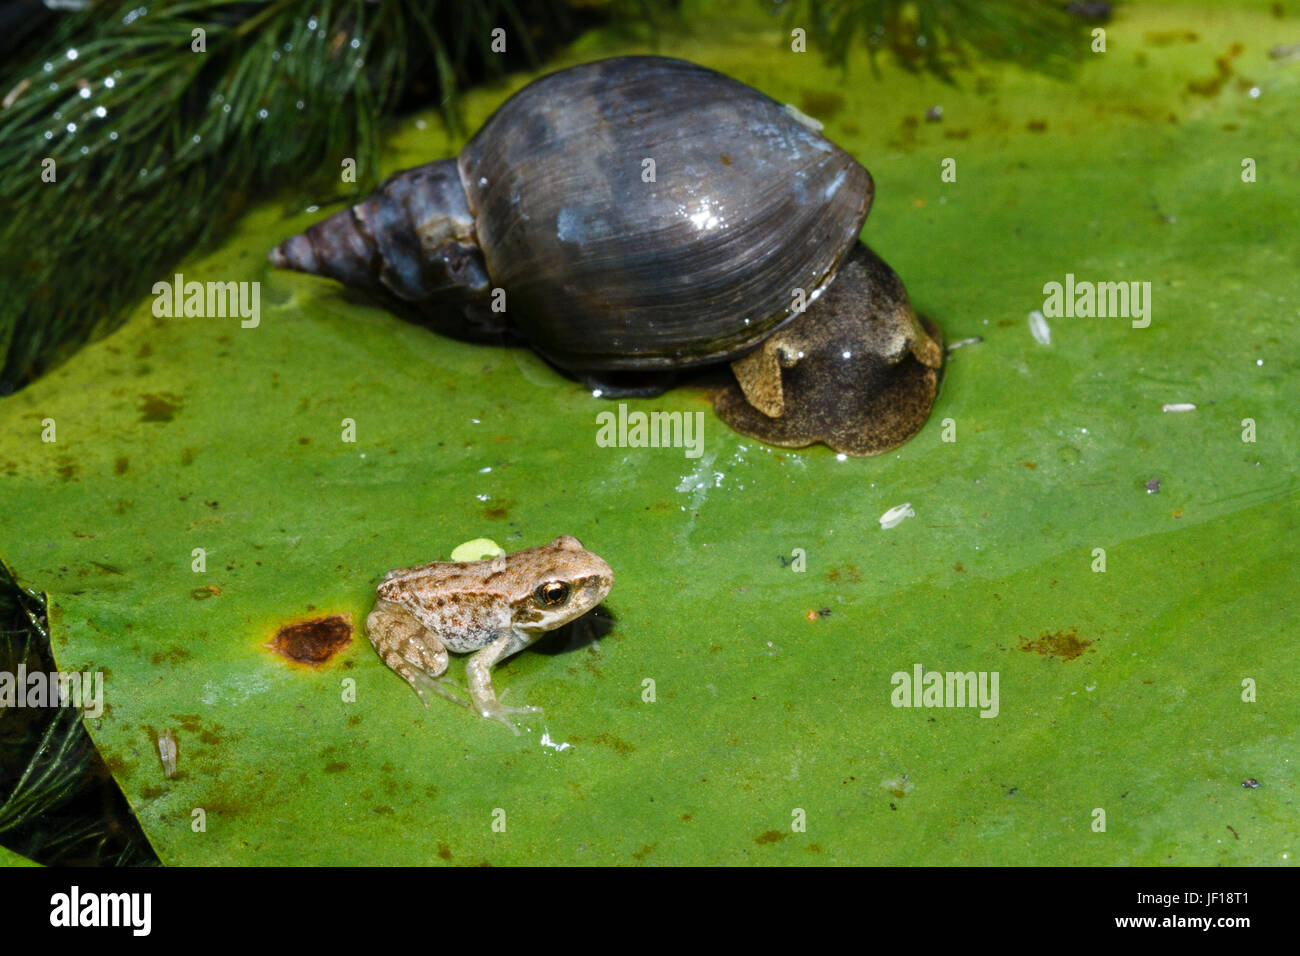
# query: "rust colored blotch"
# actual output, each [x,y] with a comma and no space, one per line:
[314,641]
[771,836]
[1063,644]
[444,851]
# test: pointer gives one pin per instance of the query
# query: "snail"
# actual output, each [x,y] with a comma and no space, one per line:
[645,215]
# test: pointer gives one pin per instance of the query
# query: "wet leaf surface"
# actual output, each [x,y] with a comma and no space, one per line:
[1118,690]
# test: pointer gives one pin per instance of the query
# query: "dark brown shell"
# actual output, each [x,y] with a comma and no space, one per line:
[603,270]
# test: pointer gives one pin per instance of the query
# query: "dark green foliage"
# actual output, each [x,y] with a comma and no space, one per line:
[157,146]
[58,802]
[935,36]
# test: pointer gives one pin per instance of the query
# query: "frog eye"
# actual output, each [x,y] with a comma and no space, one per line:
[551,594]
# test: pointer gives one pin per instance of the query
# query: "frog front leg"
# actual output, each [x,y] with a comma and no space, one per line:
[410,649]
[478,672]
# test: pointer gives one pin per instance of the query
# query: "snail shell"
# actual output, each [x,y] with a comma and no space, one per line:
[638,212]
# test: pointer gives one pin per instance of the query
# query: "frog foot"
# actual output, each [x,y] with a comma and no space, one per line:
[442,686]
[495,710]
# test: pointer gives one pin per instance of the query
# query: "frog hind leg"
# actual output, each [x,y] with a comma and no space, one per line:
[478,672]
[403,644]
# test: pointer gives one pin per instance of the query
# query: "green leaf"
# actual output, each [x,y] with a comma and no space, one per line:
[1119,691]
[10,858]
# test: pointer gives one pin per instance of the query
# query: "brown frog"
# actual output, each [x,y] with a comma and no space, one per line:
[496,607]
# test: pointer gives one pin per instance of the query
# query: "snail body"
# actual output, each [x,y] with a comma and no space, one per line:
[639,214]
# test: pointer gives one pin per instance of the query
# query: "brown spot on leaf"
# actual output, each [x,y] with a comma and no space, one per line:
[771,836]
[205,592]
[1169,37]
[313,642]
[821,104]
[645,851]
[121,465]
[444,851]
[161,407]
[1065,644]
[1210,86]
[621,747]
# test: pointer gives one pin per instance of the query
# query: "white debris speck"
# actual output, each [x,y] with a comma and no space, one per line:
[895,516]
[546,741]
[803,117]
[1178,407]
[167,752]
[962,343]
[1039,329]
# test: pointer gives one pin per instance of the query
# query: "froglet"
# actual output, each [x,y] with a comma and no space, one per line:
[495,607]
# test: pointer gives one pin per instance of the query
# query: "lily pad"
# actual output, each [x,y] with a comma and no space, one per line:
[220,502]
[10,858]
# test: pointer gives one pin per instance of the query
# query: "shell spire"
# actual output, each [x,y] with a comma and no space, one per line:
[412,238]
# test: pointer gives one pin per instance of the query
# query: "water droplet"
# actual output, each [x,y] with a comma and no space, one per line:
[262,114]
[109,82]
[71,54]
[84,92]
[72,127]
[101,112]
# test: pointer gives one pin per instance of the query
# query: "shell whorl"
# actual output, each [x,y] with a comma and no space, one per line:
[412,238]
